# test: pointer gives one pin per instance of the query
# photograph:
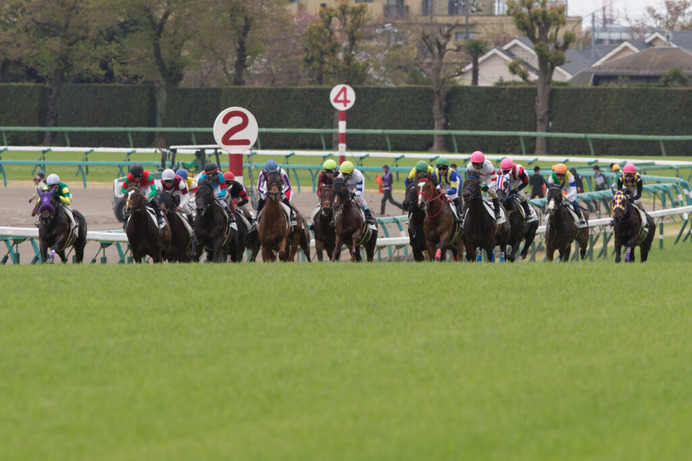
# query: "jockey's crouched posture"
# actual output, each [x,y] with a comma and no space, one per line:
[218,182]
[62,193]
[563,178]
[270,167]
[140,177]
[177,186]
[355,182]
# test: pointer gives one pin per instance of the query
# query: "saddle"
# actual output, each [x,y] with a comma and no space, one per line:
[644,231]
[491,211]
[183,218]
[570,210]
[532,214]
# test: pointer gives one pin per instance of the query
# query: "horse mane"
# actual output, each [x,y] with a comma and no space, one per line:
[205,182]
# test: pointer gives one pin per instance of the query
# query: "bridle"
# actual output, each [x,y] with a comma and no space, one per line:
[274,179]
[475,189]
[620,202]
[429,197]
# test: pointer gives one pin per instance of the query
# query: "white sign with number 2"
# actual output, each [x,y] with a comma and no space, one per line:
[235,130]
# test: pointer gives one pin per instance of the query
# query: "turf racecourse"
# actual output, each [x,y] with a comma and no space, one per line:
[346,362]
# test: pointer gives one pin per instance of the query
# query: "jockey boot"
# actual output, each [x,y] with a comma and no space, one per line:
[369,218]
[496,205]
[159,217]
[527,210]
[294,219]
[457,206]
[582,221]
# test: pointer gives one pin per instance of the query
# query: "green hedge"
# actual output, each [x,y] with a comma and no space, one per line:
[23,105]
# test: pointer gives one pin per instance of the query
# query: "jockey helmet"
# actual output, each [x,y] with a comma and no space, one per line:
[329,165]
[560,168]
[506,164]
[53,180]
[168,175]
[629,169]
[182,172]
[229,176]
[477,157]
[442,162]
[270,166]
[614,167]
[421,165]
[211,168]
[346,167]
[136,170]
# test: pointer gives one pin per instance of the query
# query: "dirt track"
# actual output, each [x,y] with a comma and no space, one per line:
[95,204]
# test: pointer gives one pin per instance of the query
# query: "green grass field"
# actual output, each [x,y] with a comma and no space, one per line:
[348,362]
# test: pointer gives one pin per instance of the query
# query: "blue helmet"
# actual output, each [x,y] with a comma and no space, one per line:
[182,173]
[270,166]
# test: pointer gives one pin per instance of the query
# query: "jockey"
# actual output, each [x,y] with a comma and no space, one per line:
[269,167]
[518,180]
[142,178]
[236,192]
[421,170]
[563,178]
[449,181]
[356,184]
[218,183]
[191,183]
[327,175]
[630,182]
[484,169]
[177,186]
[61,192]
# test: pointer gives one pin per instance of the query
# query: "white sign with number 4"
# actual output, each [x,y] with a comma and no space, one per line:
[235,130]
[342,97]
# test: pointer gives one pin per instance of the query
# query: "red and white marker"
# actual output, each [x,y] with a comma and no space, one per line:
[236,130]
[342,98]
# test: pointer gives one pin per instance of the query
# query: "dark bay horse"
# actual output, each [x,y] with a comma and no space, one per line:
[54,229]
[351,228]
[519,228]
[629,230]
[416,217]
[142,231]
[563,228]
[275,233]
[212,232]
[247,236]
[325,234]
[181,231]
[481,232]
[440,229]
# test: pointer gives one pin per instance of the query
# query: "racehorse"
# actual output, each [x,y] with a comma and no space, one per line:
[54,229]
[441,230]
[275,233]
[481,231]
[629,230]
[142,230]
[247,236]
[351,227]
[563,228]
[519,228]
[181,237]
[212,232]
[325,234]
[416,217]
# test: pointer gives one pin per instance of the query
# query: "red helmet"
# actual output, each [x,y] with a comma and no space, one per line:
[629,169]
[477,157]
[229,176]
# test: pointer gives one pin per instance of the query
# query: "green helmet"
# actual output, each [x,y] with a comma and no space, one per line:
[442,161]
[346,167]
[329,165]
[422,165]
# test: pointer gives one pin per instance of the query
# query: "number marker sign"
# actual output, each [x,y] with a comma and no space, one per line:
[235,130]
[342,98]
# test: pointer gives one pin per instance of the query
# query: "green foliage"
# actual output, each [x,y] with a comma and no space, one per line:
[23,105]
[676,77]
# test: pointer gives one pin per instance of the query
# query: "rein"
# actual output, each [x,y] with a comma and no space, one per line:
[429,198]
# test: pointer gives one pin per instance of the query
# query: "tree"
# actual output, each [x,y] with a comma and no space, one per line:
[677,15]
[540,21]
[475,49]
[60,39]
[437,44]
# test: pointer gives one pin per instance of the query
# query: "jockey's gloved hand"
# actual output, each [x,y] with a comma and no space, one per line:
[485,188]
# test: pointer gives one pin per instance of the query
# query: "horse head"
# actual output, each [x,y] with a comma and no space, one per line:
[134,200]
[471,189]
[341,195]
[168,202]
[411,195]
[326,200]
[619,206]
[48,205]
[554,198]
[204,197]
[425,193]
[274,185]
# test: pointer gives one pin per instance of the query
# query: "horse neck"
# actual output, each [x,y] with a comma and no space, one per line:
[558,220]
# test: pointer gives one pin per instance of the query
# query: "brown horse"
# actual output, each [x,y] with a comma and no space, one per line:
[275,233]
[212,232]
[480,228]
[562,228]
[325,234]
[416,217]
[54,229]
[142,231]
[628,229]
[181,237]
[351,228]
[440,229]
[519,228]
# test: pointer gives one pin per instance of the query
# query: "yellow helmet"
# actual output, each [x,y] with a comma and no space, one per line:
[560,168]
[329,165]
[346,167]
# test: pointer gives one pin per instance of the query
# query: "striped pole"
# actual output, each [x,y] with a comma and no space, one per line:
[342,136]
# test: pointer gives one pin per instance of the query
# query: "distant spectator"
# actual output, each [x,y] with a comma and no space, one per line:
[537,182]
[39,182]
[578,180]
[387,189]
[600,183]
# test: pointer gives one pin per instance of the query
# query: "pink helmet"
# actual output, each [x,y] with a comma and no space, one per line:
[477,157]
[629,169]
[506,164]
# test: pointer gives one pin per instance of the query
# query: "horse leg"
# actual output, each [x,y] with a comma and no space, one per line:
[336,254]
[43,251]
[618,249]
[267,254]
[319,249]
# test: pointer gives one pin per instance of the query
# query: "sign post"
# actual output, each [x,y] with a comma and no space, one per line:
[342,98]
[235,130]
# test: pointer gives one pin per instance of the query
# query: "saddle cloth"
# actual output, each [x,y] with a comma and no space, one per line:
[491,211]
[183,218]
[571,211]
[532,213]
